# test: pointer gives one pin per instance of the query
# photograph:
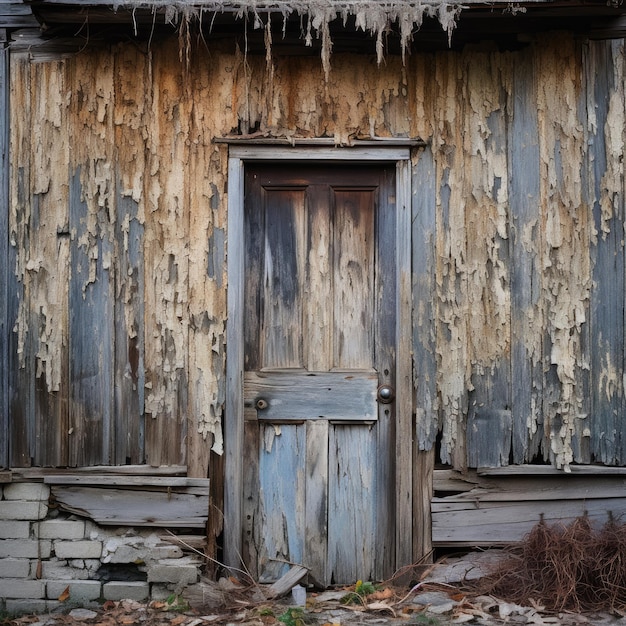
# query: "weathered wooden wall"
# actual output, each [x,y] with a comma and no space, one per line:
[118,240]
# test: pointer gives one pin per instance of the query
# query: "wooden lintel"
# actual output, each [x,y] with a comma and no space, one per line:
[39,473]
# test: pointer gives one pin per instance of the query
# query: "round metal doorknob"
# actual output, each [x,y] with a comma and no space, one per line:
[386,394]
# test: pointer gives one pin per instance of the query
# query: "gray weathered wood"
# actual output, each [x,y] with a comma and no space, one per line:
[606,431]
[91,338]
[30,473]
[165,482]
[497,523]
[303,395]
[134,507]
[404,373]
[129,375]
[233,406]
[283,586]
[4,256]
[523,158]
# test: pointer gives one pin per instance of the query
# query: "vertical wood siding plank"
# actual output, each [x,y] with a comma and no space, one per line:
[21,381]
[605,75]
[486,200]
[4,255]
[131,98]
[48,265]
[91,339]
[129,376]
[167,263]
[566,264]
[526,309]
[423,240]
[252,514]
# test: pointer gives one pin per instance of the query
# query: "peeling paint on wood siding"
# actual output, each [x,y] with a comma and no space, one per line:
[566,234]
[518,209]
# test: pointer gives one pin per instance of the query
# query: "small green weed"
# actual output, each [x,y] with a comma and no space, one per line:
[177,604]
[360,593]
[292,617]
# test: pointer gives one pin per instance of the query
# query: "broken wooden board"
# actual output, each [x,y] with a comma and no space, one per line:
[284,584]
[172,507]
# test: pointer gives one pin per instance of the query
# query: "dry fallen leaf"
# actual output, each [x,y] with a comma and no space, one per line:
[383,594]
[65,595]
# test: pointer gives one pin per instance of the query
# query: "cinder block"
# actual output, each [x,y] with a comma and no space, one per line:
[78,549]
[27,491]
[14,529]
[80,590]
[25,548]
[22,510]
[177,574]
[61,529]
[59,570]
[14,568]
[20,588]
[21,607]
[133,590]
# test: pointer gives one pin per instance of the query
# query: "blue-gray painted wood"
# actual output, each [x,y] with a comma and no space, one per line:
[608,437]
[91,349]
[5,324]
[524,180]
[129,426]
[423,240]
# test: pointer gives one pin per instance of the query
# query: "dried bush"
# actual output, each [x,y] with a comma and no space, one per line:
[565,568]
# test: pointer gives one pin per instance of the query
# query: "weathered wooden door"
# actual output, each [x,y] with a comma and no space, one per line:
[319,333]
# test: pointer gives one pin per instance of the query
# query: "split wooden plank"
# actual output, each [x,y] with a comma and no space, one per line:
[133,507]
[35,473]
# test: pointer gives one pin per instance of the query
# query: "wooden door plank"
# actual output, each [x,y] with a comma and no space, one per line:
[353,275]
[318,310]
[352,463]
[316,501]
[302,395]
[251,538]
[283,273]
[281,507]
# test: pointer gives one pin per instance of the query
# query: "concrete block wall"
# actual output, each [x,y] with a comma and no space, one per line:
[51,559]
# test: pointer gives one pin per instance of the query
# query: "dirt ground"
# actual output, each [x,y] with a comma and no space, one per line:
[440,598]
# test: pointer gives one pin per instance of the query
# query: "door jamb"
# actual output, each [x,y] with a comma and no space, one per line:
[233,410]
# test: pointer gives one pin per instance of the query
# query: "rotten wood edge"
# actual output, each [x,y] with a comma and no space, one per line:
[233,412]
[4,251]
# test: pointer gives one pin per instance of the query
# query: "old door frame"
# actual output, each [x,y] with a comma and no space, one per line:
[238,156]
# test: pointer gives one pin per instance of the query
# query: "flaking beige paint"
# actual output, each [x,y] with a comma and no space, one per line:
[141,126]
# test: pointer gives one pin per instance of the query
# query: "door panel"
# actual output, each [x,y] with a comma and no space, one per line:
[320,293]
